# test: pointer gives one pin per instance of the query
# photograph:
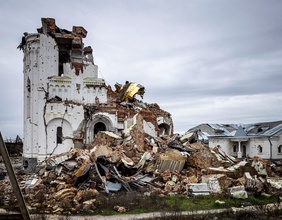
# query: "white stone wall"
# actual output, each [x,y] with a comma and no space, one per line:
[40,62]
[72,113]
[255,144]
[149,128]
[52,147]
[41,82]
[276,142]
[252,146]
[110,121]
[90,94]
[224,144]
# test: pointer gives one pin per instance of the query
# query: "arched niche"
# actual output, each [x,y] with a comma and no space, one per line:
[98,123]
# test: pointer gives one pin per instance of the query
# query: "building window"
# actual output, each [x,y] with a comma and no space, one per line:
[234,148]
[100,126]
[280,149]
[260,149]
[59,135]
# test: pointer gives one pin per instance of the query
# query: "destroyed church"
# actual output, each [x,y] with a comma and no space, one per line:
[66,104]
[85,140]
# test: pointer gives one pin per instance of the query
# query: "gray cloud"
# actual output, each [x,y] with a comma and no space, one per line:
[203,61]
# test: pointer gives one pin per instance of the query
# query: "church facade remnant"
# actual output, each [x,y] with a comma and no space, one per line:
[65,102]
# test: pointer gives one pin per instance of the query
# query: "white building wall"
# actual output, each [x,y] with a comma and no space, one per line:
[60,86]
[149,128]
[224,144]
[255,144]
[53,147]
[90,70]
[40,62]
[72,113]
[79,91]
[110,121]
[276,142]
[41,119]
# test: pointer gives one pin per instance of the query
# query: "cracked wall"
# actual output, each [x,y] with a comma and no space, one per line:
[66,104]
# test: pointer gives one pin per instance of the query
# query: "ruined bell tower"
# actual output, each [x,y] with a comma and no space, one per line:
[40,62]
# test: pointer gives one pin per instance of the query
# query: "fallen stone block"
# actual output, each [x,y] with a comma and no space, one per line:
[203,158]
[198,189]
[214,185]
[217,182]
[188,137]
[65,193]
[88,205]
[236,171]
[275,182]
[171,160]
[120,209]
[260,165]
[238,192]
[100,150]
[55,160]
[106,138]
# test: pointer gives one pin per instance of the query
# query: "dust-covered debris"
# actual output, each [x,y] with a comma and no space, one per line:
[121,144]
[72,182]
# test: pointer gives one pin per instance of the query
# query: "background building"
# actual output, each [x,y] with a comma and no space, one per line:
[244,140]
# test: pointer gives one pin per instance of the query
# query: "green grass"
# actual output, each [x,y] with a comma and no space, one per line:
[182,203]
[137,203]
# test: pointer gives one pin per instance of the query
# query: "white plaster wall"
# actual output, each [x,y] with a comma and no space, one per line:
[40,62]
[79,91]
[90,70]
[74,114]
[110,121]
[60,86]
[254,143]
[41,68]
[252,146]
[224,144]
[276,142]
[90,94]
[76,92]
[162,120]
[149,128]
[52,147]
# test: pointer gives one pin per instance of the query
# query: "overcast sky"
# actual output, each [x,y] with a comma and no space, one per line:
[208,61]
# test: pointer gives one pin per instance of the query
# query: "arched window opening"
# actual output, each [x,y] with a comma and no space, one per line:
[244,151]
[59,135]
[28,107]
[25,164]
[280,149]
[234,148]
[99,127]
[260,149]
[164,129]
[28,85]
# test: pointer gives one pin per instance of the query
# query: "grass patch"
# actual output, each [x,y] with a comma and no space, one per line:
[137,203]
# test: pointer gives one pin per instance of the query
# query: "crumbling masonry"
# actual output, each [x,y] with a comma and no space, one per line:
[66,104]
[96,143]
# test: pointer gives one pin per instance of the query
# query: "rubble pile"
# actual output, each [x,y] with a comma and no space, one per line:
[72,182]
[112,141]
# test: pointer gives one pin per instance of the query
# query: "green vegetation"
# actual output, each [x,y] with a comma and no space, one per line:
[137,203]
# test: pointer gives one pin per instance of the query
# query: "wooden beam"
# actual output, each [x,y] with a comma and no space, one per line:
[13,179]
